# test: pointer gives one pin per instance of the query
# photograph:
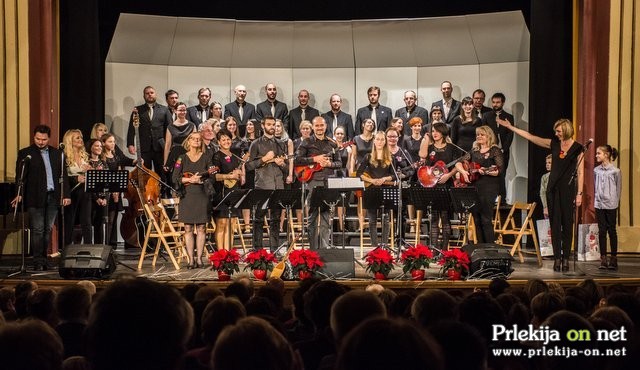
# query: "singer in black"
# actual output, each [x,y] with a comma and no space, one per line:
[562,194]
[43,167]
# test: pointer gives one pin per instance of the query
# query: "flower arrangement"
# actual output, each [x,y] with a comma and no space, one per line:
[259,259]
[379,261]
[454,263]
[416,258]
[225,260]
[305,260]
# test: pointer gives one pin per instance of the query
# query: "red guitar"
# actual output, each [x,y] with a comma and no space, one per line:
[474,173]
[430,175]
[305,173]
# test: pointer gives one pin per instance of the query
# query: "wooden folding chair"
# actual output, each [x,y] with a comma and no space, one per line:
[159,226]
[510,227]
[464,236]
[497,224]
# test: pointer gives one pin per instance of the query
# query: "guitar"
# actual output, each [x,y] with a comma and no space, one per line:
[279,268]
[305,173]
[474,173]
[430,175]
[210,171]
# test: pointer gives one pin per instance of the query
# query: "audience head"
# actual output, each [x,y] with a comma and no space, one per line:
[129,313]
[269,348]
[220,313]
[544,305]
[318,300]
[498,286]
[533,287]
[481,311]
[72,303]
[452,336]
[367,347]
[594,291]
[238,290]
[40,305]
[351,309]
[565,321]
[433,305]
[30,345]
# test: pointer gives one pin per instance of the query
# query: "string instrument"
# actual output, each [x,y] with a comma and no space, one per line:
[305,173]
[474,173]
[144,187]
[210,171]
[278,269]
[430,175]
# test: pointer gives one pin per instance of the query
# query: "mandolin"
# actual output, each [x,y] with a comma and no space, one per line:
[474,173]
[211,171]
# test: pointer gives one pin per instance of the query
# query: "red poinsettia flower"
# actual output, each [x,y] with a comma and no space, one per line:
[260,259]
[416,258]
[225,260]
[455,259]
[305,260]
[379,260]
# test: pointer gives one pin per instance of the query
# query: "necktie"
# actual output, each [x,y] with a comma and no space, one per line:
[204,114]
[303,115]
[150,112]
[335,122]
[241,111]
[373,116]
[447,108]
[408,112]
[273,109]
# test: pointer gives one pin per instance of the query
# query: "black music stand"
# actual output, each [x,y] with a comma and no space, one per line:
[107,181]
[228,203]
[380,197]
[325,199]
[429,200]
[286,199]
[463,199]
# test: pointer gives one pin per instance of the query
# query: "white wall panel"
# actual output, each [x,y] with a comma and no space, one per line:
[464,79]
[255,79]
[188,80]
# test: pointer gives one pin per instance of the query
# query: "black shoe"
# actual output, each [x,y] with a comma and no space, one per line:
[565,265]
[556,265]
[613,263]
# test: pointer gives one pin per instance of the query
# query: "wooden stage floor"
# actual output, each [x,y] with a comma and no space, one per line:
[628,274]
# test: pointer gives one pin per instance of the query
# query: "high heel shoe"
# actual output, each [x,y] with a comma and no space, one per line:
[199,263]
[190,266]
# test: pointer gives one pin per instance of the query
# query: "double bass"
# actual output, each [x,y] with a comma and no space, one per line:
[144,187]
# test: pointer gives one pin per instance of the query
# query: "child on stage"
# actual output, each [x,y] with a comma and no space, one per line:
[608,185]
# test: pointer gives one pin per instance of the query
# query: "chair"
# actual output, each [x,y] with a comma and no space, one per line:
[159,226]
[470,233]
[497,224]
[510,227]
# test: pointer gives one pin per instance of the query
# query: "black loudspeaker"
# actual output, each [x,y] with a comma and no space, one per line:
[490,257]
[84,261]
[338,263]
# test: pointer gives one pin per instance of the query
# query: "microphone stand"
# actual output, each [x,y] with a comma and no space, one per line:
[398,216]
[576,215]
[61,183]
[23,266]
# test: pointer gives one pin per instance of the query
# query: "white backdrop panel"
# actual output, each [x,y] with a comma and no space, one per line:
[255,79]
[322,83]
[188,80]
[393,82]
[465,79]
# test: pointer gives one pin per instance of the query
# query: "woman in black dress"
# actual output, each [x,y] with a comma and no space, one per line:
[376,170]
[251,133]
[188,175]
[98,202]
[177,131]
[230,177]
[463,127]
[562,194]
[488,156]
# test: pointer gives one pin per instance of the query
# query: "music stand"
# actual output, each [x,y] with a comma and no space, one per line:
[228,203]
[326,199]
[430,199]
[107,181]
[380,197]
[286,199]
[463,199]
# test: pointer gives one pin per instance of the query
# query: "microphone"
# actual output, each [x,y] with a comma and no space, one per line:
[27,158]
[61,146]
[585,147]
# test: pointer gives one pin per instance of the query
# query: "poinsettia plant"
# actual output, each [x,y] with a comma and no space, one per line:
[416,258]
[259,259]
[305,260]
[225,260]
[379,260]
[455,259]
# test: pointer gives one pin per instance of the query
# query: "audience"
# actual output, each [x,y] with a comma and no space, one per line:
[72,305]
[30,345]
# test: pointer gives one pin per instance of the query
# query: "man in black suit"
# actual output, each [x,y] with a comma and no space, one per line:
[380,114]
[171,97]
[450,107]
[336,117]
[43,167]
[154,119]
[411,110]
[301,113]
[272,107]
[504,136]
[240,109]
[478,97]
[200,113]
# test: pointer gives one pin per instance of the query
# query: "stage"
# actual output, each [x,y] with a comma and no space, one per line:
[628,274]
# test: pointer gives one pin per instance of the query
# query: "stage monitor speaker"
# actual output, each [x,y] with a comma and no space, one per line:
[338,263]
[84,261]
[490,257]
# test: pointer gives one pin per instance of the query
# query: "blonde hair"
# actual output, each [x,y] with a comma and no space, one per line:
[186,146]
[491,137]
[306,123]
[566,126]
[94,130]
[386,154]
[69,153]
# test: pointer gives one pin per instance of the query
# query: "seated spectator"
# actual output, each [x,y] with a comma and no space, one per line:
[22,291]
[72,305]
[533,287]
[481,312]
[594,291]
[269,350]
[8,304]
[30,345]
[138,324]
[388,344]
[433,305]
[498,286]
[89,286]
[300,328]
[401,305]
[240,291]
[453,336]
[40,305]
[565,321]
[544,305]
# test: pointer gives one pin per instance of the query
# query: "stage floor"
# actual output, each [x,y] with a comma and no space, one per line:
[627,274]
